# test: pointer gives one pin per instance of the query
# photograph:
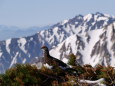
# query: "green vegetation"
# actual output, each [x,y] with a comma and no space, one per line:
[28,75]
[72,60]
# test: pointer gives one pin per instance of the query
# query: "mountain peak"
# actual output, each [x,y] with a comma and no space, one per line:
[88,17]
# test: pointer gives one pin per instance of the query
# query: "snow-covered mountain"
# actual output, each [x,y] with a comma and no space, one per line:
[93,47]
[26,49]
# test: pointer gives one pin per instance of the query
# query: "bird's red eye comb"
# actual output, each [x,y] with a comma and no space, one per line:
[43,47]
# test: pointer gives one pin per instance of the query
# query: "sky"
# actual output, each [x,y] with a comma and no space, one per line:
[28,13]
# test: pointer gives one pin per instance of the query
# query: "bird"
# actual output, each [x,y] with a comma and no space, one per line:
[50,61]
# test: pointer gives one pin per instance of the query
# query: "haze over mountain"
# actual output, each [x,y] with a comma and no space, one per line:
[90,36]
[16,32]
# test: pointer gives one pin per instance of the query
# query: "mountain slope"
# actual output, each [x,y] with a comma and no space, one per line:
[26,49]
[93,47]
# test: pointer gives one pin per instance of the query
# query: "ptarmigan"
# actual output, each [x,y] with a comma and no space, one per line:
[51,62]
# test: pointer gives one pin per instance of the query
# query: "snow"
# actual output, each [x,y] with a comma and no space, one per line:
[71,44]
[65,60]
[36,57]
[42,33]
[110,43]
[63,22]
[1,54]
[38,65]
[22,41]
[95,60]
[76,22]
[31,39]
[93,23]
[95,17]
[87,17]
[47,66]
[14,60]
[8,42]
[89,46]
[107,15]
[98,82]
[57,55]
[29,55]
[102,18]
[24,60]
[65,42]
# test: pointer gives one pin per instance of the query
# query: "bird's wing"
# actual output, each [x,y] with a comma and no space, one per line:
[60,63]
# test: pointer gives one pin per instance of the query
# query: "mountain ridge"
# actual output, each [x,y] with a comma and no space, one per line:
[95,47]
[23,50]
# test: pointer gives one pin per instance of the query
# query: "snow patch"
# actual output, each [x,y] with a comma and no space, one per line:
[48,66]
[102,18]
[8,42]
[31,39]
[14,61]
[107,15]
[0,54]
[36,57]
[65,60]
[63,22]
[87,17]
[22,42]
[24,60]
[98,82]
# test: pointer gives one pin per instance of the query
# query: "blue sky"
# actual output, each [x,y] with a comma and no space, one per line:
[27,13]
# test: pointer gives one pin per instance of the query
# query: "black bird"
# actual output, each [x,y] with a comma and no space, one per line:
[51,61]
